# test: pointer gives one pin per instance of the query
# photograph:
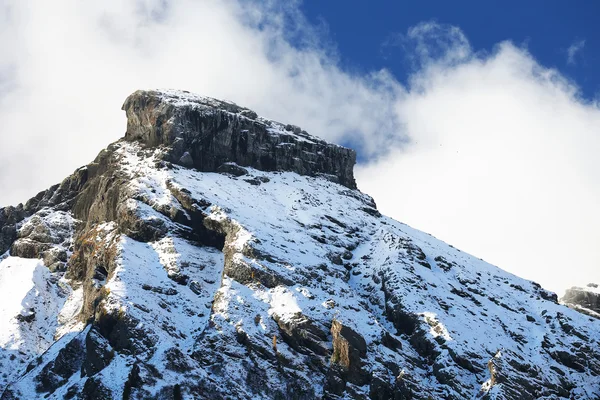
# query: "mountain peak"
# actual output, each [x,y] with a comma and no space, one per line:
[145,275]
[207,134]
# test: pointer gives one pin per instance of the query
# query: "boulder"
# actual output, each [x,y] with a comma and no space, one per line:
[186,160]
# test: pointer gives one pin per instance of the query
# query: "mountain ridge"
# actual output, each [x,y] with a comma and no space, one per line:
[211,253]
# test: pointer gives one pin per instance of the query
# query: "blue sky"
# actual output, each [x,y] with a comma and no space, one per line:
[361,29]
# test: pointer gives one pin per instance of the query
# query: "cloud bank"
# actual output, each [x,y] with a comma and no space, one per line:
[491,152]
[67,66]
[502,162]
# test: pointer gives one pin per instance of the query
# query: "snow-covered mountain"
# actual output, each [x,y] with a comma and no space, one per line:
[214,254]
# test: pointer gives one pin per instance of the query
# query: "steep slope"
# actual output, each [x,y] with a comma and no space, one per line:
[215,254]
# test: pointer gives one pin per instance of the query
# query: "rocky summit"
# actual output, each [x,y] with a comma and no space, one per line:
[215,254]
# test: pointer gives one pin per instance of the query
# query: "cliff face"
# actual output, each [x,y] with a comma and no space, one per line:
[585,300]
[207,134]
[213,254]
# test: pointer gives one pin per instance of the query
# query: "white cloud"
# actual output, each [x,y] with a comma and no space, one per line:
[503,164]
[501,161]
[68,66]
[573,50]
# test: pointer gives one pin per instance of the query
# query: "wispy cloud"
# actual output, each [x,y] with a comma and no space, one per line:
[429,42]
[573,50]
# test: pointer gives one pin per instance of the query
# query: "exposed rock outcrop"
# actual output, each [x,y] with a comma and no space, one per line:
[207,134]
[585,300]
[9,217]
[349,351]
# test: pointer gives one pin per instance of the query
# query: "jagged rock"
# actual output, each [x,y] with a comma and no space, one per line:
[349,350]
[95,389]
[232,169]
[46,235]
[57,372]
[405,322]
[386,387]
[303,335]
[60,197]
[510,382]
[93,261]
[176,360]
[28,317]
[293,128]
[138,223]
[27,248]
[244,272]
[585,300]
[98,353]
[55,258]
[215,133]
[99,199]
[249,114]
[124,332]
[334,383]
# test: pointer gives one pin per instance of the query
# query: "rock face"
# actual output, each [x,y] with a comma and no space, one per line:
[585,300]
[207,133]
[213,254]
[349,351]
